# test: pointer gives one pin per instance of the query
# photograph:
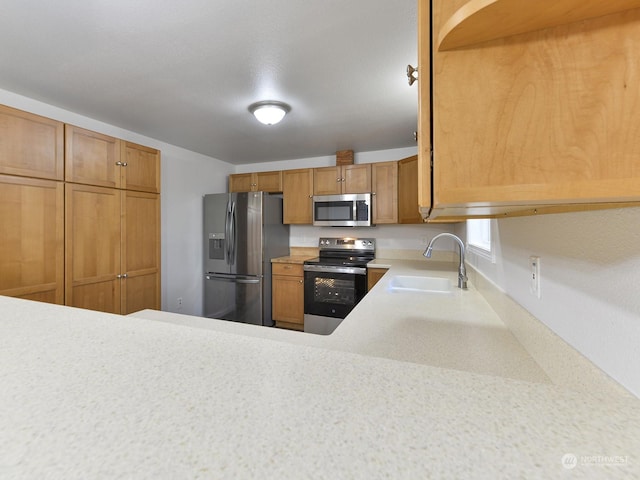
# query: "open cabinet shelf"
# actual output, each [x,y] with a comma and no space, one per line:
[483,20]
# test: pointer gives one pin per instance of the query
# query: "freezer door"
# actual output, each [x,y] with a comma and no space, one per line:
[246,233]
[236,298]
[216,227]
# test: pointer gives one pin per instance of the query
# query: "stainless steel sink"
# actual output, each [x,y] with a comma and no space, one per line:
[407,283]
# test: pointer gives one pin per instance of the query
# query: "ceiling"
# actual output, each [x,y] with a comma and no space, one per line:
[185,72]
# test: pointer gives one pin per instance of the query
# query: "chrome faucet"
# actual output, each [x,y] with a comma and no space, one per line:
[462,270]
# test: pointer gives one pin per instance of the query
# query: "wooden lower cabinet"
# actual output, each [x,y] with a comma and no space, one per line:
[32,239]
[140,252]
[374,275]
[113,249]
[287,289]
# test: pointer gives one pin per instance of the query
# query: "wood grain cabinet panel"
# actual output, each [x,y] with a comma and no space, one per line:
[342,179]
[374,275]
[384,192]
[92,245]
[140,169]
[287,284]
[539,122]
[297,195]
[256,182]
[408,205]
[31,145]
[140,251]
[91,158]
[32,238]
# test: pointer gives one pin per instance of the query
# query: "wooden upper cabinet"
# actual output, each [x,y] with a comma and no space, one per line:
[92,158]
[544,119]
[408,206]
[140,168]
[297,188]
[424,112]
[342,179]
[384,192]
[32,238]
[31,145]
[256,182]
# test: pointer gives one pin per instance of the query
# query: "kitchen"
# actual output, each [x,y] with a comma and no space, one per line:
[589,259]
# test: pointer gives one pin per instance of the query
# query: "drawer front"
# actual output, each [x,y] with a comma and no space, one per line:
[287,269]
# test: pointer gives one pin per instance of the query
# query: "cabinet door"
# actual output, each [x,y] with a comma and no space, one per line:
[92,246]
[91,158]
[424,107]
[30,145]
[384,192]
[32,239]
[297,195]
[269,181]
[374,275]
[288,299]
[241,182]
[140,168]
[356,178]
[327,181]
[140,251]
[408,178]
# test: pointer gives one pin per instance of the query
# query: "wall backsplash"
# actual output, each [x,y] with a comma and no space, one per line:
[390,239]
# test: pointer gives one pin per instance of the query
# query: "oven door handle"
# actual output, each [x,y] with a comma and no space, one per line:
[335,269]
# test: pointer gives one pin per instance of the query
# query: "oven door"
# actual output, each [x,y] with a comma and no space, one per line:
[333,294]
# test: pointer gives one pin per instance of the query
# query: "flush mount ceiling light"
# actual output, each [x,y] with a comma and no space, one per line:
[269,112]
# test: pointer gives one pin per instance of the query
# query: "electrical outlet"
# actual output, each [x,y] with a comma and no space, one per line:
[179,303]
[534,268]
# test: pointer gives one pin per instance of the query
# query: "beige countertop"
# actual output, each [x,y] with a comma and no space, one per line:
[406,387]
[292,259]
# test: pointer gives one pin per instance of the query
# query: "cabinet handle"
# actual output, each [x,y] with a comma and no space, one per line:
[415,136]
[373,193]
[119,163]
[301,281]
[412,74]
[124,164]
[124,275]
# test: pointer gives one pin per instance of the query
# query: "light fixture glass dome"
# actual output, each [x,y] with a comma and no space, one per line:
[269,112]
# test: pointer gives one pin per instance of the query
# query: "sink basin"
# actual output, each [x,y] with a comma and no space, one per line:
[406,283]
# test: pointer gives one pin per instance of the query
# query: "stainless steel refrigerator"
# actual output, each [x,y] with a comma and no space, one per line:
[242,233]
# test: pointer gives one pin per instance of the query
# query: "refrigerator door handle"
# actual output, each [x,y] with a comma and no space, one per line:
[233,279]
[227,233]
[232,229]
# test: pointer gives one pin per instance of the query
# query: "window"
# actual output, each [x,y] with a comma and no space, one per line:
[479,237]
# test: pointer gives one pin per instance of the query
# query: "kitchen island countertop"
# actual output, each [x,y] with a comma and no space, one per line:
[92,395]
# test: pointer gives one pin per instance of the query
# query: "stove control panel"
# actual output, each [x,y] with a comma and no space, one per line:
[347,243]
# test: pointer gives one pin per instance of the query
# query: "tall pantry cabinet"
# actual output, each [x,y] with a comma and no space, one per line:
[112,230]
[31,206]
[80,216]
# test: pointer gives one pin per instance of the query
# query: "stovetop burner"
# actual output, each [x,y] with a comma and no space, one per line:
[344,251]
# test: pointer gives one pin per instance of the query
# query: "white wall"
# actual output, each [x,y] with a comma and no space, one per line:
[186,176]
[590,280]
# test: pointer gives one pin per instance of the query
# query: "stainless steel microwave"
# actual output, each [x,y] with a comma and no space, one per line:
[347,210]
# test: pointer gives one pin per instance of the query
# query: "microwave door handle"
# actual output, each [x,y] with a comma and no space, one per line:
[354,216]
